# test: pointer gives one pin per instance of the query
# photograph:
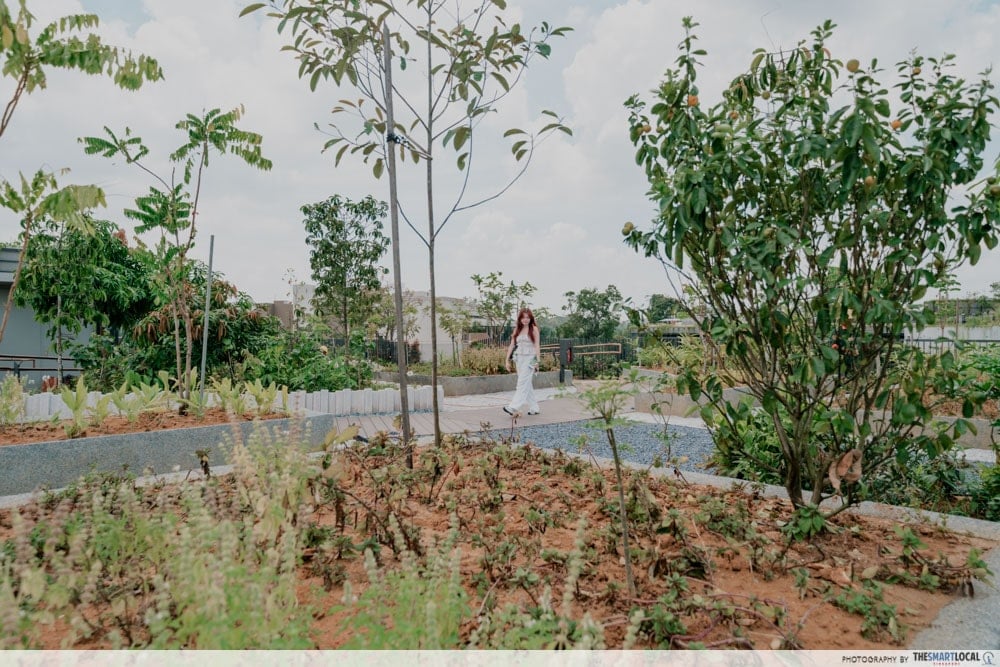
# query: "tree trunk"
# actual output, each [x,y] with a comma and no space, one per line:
[431,234]
[390,159]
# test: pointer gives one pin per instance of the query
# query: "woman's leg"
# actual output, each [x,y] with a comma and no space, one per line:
[529,397]
[521,392]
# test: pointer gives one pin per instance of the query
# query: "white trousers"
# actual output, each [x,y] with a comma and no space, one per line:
[524,393]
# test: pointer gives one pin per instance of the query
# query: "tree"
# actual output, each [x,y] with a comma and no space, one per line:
[592,313]
[38,201]
[812,231]
[498,302]
[455,319]
[173,210]
[73,279]
[663,307]
[346,244]
[382,319]
[471,60]
[27,59]
[239,330]
[57,46]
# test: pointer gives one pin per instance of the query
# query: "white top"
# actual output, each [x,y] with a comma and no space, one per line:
[525,346]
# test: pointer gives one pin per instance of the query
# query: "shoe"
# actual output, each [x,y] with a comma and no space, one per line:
[508,411]
[536,412]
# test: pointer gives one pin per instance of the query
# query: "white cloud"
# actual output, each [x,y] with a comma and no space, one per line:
[558,227]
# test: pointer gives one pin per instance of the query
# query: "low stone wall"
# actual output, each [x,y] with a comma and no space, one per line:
[56,464]
[481,384]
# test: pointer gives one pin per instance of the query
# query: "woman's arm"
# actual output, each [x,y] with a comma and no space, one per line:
[538,343]
[506,356]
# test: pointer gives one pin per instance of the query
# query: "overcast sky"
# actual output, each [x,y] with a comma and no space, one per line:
[559,227]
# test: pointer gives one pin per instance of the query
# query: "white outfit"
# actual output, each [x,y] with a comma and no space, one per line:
[526,362]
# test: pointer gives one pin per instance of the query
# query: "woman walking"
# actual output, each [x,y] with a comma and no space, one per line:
[525,345]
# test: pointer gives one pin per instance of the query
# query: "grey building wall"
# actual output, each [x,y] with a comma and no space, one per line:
[24,338]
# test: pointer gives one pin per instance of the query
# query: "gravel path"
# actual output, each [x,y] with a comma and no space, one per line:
[638,443]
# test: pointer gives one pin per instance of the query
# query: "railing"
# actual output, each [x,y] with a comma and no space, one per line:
[35,367]
[935,345]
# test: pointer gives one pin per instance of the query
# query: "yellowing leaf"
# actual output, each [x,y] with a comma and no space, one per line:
[847,468]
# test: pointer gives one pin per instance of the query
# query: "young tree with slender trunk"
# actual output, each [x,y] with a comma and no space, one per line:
[469,60]
[345,245]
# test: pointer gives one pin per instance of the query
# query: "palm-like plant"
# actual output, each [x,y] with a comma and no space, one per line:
[173,209]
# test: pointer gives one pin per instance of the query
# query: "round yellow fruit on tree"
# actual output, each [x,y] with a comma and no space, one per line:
[896,124]
[916,71]
[627,229]
[645,129]
[692,100]
[869,181]
[853,65]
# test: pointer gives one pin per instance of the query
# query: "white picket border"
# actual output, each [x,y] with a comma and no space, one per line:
[45,406]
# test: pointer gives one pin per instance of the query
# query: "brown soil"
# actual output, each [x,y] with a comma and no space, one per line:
[45,431]
[726,548]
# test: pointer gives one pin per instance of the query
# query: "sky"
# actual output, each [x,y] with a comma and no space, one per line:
[558,227]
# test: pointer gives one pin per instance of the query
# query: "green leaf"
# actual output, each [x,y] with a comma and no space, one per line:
[378,167]
[461,136]
[543,49]
[249,9]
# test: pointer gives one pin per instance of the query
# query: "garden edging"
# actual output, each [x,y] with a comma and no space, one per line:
[59,463]
[480,384]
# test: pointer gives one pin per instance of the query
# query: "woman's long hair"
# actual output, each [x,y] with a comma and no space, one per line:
[531,324]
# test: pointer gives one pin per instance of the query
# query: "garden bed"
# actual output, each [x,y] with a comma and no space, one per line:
[711,566]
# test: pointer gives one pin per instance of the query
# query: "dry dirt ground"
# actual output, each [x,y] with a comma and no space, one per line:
[712,567]
[45,431]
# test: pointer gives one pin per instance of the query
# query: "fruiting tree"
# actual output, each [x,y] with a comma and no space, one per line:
[811,209]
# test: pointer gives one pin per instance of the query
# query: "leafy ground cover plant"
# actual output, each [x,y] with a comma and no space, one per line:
[286,550]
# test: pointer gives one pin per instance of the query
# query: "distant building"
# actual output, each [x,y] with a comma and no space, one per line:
[445,344]
[282,310]
[26,349]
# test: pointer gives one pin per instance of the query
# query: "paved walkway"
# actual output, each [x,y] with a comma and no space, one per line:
[473,412]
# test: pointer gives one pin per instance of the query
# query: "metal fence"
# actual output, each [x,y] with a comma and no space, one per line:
[937,345]
[591,358]
[33,368]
